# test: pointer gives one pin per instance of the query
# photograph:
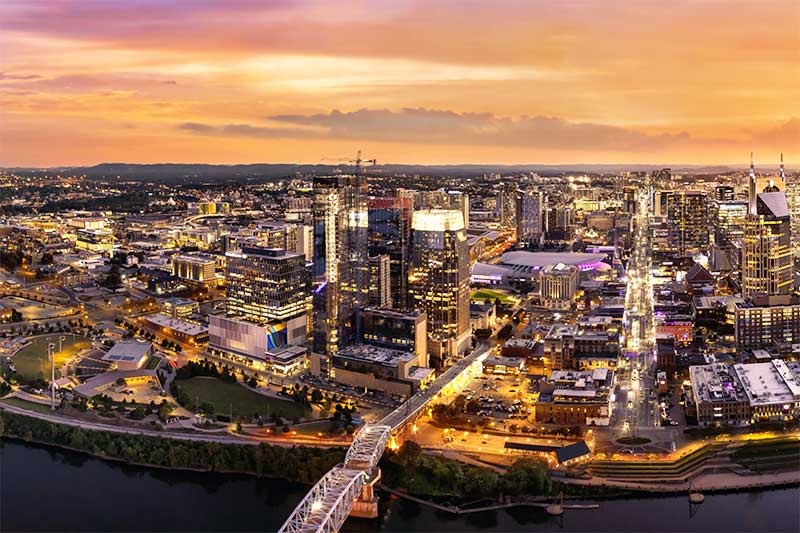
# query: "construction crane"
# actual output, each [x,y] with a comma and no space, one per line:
[357,161]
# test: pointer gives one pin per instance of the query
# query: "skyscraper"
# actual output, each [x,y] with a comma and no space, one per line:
[267,294]
[438,280]
[767,247]
[266,284]
[687,217]
[389,233]
[340,267]
[530,217]
[380,286]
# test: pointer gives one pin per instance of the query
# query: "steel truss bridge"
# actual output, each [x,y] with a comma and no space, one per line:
[328,504]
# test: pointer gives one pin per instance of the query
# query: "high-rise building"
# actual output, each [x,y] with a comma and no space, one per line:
[380,285]
[729,220]
[530,217]
[389,233]
[687,216]
[793,202]
[443,199]
[724,193]
[266,284]
[507,205]
[767,247]
[340,266]
[438,280]
[266,323]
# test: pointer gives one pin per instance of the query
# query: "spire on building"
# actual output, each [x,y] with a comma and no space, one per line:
[783,174]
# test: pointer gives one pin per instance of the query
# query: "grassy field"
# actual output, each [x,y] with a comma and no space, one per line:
[30,406]
[482,294]
[232,396]
[32,362]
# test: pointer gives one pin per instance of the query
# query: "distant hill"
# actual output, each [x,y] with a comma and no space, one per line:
[259,171]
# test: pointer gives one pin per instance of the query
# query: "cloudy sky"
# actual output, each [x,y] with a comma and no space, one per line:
[558,81]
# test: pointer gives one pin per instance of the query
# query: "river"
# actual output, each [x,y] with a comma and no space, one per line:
[47,489]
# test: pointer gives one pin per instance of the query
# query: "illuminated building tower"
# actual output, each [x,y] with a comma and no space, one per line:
[687,216]
[380,286]
[793,201]
[443,199]
[340,267]
[266,284]
[438,280]
[767,247]
[389,234]
[266,321]
[729,219]
[507,205]
[723,193]
[530,218]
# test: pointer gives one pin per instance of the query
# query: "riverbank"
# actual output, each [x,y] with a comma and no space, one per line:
[88,494]
[299,463]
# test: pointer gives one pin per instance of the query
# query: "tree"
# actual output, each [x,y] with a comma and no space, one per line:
[163,411]
[316,396]
[408,455]
[47,258]
[207,408]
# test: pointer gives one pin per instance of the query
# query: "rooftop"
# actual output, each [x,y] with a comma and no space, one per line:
[128,351]
[376,354]
[175,324]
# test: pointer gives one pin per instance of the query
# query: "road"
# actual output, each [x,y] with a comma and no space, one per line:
[635,398]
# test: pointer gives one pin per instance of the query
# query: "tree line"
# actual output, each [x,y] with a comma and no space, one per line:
[303,464]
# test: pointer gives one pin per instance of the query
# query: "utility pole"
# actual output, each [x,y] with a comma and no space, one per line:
[52,356]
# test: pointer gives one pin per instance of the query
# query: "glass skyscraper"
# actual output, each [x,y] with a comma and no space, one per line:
[340,267]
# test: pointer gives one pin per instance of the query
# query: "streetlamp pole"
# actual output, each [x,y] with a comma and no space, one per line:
[52,356]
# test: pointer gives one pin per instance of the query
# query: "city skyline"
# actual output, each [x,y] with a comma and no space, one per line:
[516,83]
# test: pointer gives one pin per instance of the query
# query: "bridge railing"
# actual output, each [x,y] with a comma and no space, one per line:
[326,506]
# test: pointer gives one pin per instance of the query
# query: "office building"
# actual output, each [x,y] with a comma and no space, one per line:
[558,286]
[99,241]
[389,233]
[266,284]
[687,223]
[764,321]
[729,221]
[197,269]
[267,297]
[724,193]
[380,281]
[767,248]
[341,266]
[438,280]
[407,330]
[530,218]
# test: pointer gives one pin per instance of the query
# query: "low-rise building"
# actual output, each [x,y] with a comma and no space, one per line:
[741,394]
[376,368]
[128,355]
[575,397]
[177,329]
[766,320]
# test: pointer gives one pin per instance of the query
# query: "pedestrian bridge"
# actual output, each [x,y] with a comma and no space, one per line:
[329,502]
[348,486]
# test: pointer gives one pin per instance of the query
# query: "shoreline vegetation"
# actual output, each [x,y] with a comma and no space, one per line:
[407,470]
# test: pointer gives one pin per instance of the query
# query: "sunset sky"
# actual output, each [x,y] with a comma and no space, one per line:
[246,81]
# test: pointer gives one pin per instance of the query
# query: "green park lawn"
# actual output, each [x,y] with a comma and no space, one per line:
[236,398]
[30,406]
[482,295]
[32,361]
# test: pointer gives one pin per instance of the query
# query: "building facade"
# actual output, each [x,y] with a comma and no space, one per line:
[438,280]
[340,266]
